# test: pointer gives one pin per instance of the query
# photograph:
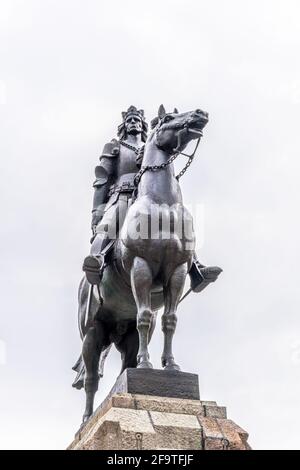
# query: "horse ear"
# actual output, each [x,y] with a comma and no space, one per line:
[161,111]
[175,111]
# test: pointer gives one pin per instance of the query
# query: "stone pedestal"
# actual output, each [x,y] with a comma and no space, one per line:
[128,420]
[161,383]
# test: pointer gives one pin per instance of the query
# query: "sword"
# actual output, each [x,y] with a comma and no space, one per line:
[88,305]
[185,295]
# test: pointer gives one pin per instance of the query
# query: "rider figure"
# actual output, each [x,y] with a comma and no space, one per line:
[114,186]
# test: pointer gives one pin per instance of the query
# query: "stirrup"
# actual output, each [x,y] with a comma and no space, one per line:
[93,268]
[202,277]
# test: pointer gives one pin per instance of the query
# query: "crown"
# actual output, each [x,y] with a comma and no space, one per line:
[133,111]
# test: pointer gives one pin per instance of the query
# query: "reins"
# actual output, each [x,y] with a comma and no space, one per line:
[162,166]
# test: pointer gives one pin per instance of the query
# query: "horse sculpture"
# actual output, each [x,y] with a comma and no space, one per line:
[144,273]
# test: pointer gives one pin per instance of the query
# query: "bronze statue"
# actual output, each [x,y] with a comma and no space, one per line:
[134,267]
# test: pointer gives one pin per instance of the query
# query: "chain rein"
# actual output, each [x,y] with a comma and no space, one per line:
[162,166]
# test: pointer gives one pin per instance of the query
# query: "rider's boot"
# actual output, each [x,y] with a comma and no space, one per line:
[201,275]
[93,267]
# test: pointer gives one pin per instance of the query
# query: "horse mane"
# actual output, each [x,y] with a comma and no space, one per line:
[151,135]
[154,122]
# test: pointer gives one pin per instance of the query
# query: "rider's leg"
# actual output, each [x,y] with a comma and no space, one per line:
[201,275]
[107,230]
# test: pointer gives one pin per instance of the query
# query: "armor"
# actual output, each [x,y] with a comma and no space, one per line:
[114,176]
[120,161]
[104,173]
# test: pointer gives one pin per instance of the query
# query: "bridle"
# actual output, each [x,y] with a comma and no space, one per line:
[183,130]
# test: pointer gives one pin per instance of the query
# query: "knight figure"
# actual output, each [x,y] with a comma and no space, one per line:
[114,189]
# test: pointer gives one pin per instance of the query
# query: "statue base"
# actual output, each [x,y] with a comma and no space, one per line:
[131,420]
[162,383]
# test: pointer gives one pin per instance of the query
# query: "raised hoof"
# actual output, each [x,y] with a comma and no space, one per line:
[93,267]
[144,365]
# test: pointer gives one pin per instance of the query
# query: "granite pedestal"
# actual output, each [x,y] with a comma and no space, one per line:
[159,410]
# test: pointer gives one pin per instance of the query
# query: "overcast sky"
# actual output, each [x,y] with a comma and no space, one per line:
[67,70]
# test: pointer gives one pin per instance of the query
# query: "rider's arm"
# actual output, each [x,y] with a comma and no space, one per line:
[105,173]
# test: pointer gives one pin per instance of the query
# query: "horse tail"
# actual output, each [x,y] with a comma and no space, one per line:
[79,368]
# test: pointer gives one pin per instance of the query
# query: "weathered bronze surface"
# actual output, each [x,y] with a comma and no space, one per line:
[134,268]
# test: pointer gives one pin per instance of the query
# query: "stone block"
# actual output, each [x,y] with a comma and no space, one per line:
[132,421]
[163,383]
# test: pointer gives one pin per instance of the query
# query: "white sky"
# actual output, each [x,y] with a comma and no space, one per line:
[67,70]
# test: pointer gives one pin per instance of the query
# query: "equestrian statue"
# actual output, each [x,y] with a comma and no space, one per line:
[142,247]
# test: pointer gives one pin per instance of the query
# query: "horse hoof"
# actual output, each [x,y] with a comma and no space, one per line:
[144,365]
[85,418]
[172,367]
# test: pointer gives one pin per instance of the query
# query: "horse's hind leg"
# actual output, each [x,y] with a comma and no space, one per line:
[91,350]
[172,294]
[128,348]
[141,283]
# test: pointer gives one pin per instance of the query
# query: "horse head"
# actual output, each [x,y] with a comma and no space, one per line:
[173,131]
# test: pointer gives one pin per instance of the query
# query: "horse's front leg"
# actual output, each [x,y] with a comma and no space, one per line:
[172,295]
[141,283]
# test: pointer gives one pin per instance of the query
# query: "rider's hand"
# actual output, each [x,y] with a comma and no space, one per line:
[94,230]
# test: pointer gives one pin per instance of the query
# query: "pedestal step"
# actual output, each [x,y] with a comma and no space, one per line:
[134,421]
